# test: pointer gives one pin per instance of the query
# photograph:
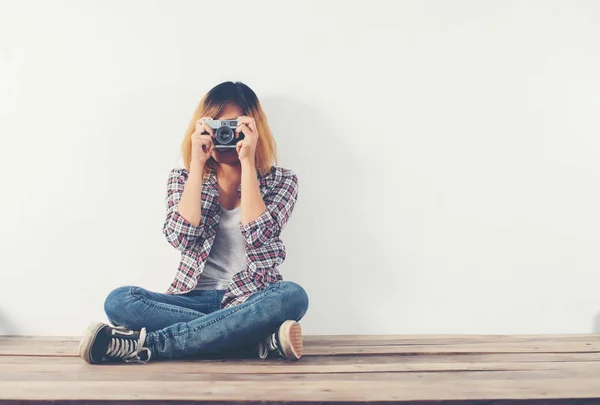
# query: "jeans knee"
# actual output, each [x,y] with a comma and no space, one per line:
[295,299]
[115,304]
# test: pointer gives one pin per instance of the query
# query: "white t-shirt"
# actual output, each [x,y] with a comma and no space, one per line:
[227,256]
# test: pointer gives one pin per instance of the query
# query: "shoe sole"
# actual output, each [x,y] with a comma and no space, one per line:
[85,346]
[290,339]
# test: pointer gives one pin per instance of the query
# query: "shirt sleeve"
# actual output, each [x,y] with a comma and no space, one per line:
[180,233]
[280,202]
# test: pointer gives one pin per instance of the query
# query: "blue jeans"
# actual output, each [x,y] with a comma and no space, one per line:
[194,323]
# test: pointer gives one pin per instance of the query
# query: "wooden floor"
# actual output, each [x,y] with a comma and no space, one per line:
[431,369]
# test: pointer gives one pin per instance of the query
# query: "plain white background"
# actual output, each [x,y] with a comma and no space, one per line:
[447,155]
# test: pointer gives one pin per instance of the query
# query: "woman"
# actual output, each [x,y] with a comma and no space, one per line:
[225,212]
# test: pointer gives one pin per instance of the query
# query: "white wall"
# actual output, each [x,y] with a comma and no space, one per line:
[447,153]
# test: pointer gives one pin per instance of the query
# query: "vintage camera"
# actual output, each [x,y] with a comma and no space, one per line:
[224,131]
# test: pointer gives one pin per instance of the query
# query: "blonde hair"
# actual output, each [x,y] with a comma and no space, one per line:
[213,104]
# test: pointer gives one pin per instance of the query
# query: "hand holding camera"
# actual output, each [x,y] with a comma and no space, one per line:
[224,133]
[202,141]
[246,148]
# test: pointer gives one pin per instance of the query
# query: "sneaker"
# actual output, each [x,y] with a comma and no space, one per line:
[105,343]
[286,342]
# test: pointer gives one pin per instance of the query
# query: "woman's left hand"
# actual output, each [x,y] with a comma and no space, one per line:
[246,148]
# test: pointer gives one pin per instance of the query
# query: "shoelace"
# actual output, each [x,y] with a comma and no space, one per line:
[267,345]
[128,349]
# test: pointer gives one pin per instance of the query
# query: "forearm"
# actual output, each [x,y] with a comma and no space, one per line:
[252,204]
[190,205]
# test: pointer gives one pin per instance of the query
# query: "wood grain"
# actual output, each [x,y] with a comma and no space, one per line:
[472,369]
[274,367]
[324,346]
[311,391]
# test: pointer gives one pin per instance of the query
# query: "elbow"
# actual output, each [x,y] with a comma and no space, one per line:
[276,256]
[179,233]
[260,238]
[260,231]
[177,240]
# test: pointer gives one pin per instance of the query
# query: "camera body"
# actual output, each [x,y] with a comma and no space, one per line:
[224,131]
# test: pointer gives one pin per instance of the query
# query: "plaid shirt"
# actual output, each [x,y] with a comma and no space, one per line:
[265,251]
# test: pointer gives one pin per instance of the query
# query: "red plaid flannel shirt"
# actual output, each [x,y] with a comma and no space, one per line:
[265,251]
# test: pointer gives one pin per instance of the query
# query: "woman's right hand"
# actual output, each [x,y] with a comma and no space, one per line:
[202,143]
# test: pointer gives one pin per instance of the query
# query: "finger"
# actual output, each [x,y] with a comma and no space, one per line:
[238,146]
[243,128]
[207,130]
[201,125]
[251,122]
[208,149]
[252,126]
[199,138]
[205,139]
[245,120]
[207,146]
[201,121]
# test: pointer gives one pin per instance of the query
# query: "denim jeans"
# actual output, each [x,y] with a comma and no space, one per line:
[193,323]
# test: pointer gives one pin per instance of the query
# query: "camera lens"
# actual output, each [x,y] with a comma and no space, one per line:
[224,135]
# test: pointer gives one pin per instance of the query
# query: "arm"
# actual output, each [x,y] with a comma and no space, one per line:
[252,205]
[263,219]
[182,224]
[265,251]
[190,205]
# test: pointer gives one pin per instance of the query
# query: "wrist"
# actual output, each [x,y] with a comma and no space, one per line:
[197,167]
[248,164]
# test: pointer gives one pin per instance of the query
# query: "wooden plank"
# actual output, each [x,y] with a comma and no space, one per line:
[453,337]
[351,359]
[32,347]
[121,374]
[379,339]
[401,369]
[315,391]
[274,378]
[538,401]
[28,346]
[274,368]
[420,350]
